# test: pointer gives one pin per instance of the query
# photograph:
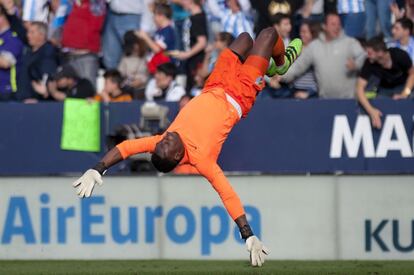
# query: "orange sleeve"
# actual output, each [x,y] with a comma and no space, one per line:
[136,146]
[218,180]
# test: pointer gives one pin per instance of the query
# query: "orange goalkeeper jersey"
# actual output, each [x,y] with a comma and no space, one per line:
[203,125]
[205,122]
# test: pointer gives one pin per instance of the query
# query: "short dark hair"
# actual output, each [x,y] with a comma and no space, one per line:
[278,17]
[226,37]
[163,164]
[66,71]
[130,39]
[377,44]
[168,68]
[163,9]
[198,2]
[115,76]
[331,13]
[406,23]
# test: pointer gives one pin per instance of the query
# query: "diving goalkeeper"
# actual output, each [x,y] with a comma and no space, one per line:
[198,132]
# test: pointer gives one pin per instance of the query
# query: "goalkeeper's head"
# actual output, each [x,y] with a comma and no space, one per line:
[168,152]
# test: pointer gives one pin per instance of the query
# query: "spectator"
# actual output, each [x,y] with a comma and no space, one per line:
[39,63]
[235,21]
[398,9]
[86,21]
[402,35]
[222,41]
[10,55]
[123,15]
[164,37]
[352,15]
[335,57]
[59,11]
[179,17]
[220,11]
[312,10]
[281,22]
[13,16]
[67,83]
[112,91]
[194,40]
[233,18]
[378,9]
[163,85]
[409,7]
[266,9]
[133,65]
[305,86]
[35,10]
[391,69]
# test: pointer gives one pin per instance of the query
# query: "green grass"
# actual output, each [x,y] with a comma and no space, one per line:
[206,267]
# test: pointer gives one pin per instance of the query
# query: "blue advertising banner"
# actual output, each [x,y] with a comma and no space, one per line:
[278,136]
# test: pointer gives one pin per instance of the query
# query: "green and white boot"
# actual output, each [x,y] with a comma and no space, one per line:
[292,52]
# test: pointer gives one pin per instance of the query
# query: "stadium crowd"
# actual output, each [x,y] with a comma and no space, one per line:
[120,50]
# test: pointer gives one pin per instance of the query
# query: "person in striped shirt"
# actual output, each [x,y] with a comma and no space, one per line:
[352,13]
[235,21]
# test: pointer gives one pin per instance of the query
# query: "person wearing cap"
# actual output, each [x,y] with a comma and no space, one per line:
[163,85]
[67,83]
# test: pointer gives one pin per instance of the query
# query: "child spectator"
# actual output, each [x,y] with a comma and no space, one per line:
[194,39]
[133,65]
[222,40]
[164,37]
[163,86]
[112,91]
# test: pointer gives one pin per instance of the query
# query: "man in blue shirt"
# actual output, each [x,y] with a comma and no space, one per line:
[40,62]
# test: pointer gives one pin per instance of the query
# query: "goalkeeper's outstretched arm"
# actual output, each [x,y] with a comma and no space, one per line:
[85,184]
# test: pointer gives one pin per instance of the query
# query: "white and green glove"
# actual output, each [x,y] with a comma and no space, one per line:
[85,184]
[257,251]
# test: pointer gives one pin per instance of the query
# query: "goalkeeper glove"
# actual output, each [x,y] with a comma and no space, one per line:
[85,184]
[257,251]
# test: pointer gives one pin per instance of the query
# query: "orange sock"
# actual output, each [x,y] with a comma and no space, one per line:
[278,52]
